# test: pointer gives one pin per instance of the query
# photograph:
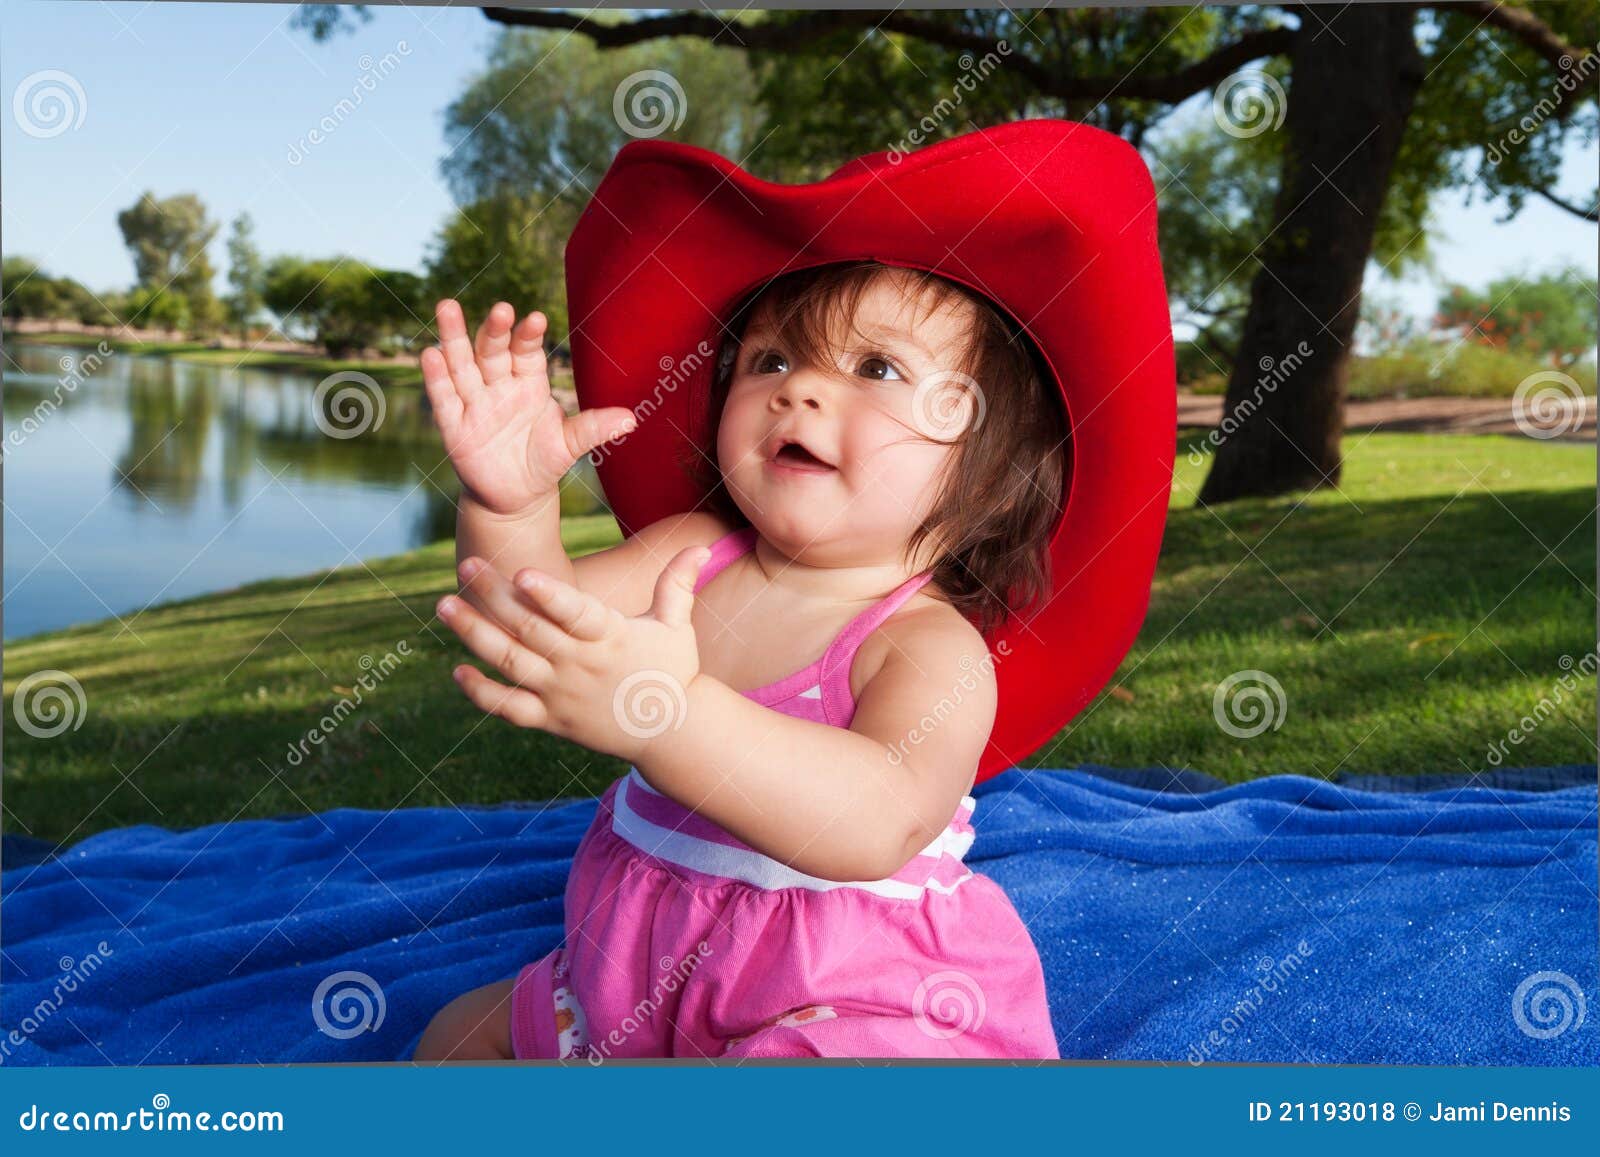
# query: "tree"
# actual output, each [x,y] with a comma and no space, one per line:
[1550,317]
[533,131]
[1397,101]
[345,305]
[168,240]
[246,275]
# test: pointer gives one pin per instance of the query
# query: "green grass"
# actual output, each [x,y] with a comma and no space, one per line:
[1411,617]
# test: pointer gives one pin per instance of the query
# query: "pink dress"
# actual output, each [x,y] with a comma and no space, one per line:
[683,941]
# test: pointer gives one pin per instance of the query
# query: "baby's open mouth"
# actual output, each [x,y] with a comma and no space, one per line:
[794,454]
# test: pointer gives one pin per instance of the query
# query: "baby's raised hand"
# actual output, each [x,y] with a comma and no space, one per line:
[578,667]
[508,439]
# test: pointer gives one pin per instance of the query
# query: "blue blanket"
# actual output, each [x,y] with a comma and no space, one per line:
[1288,919]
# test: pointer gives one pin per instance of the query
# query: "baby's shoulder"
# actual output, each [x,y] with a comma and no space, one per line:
[692,528]
[931,635]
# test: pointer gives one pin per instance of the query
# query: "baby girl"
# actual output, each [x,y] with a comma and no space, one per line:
[780,873]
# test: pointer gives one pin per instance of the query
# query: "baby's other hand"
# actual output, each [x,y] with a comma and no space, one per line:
[580,668]
[506,435]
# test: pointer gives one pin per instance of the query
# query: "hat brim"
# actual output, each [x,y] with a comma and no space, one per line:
[1053,220]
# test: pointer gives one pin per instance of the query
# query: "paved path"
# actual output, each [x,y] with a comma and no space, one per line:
[1444,415]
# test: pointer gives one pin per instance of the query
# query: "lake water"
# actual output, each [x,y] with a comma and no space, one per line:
[146,479]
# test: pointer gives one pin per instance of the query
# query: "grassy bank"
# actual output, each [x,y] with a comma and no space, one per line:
[397,375]
[1411,617]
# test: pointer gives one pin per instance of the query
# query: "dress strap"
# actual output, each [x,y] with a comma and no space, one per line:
[727,548]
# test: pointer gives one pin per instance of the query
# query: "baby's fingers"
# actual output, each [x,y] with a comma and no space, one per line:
[457,349]
[576,612]
[495,646]
[527,346]
[442,396]
[493,344]
[513,704]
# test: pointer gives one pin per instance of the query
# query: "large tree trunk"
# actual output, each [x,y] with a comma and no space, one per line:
[1356,72]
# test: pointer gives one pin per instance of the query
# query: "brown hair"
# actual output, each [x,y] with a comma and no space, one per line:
[996,562]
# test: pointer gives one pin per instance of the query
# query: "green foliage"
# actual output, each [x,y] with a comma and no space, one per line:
[1550,318]
[505,247]
[1423,367]
[167,239]
[246,275]
[345,304]
[32,293]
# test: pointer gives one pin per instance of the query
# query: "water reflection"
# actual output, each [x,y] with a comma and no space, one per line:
[144,479]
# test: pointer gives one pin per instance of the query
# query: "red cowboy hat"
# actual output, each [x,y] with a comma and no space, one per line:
[1053,221]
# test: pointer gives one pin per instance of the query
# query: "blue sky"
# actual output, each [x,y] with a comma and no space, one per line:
[212,98]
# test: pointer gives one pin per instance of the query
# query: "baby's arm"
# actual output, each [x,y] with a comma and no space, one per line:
[840,804]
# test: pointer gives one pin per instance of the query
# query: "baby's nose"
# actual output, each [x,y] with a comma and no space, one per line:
[801,388]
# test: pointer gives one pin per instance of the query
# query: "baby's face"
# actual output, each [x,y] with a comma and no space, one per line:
[880,427]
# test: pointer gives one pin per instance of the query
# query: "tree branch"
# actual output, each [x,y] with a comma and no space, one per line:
[1528,28]
[1169,88]
[1587,214]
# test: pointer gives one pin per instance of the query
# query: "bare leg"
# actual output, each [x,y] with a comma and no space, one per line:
[475,1026]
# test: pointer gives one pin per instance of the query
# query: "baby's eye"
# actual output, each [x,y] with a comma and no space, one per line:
[769,362]
[879,369]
